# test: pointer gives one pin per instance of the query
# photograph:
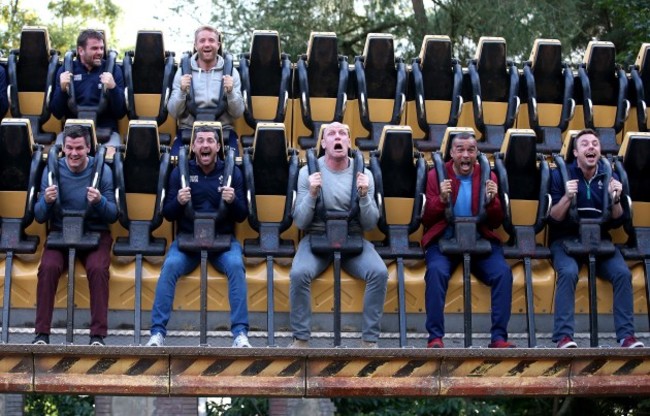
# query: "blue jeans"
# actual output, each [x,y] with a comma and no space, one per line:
[178,263]
[232,140]
[490,269]
[611,268]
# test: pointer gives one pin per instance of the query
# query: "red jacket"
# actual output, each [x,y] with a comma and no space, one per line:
[434,219]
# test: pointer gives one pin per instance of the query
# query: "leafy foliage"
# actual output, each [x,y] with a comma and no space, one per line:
[59,405]
[239,406]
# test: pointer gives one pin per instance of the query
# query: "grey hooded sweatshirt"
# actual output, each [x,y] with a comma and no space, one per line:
[207,88]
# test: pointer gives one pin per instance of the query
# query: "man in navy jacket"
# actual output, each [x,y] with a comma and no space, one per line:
[90,78]
[586,184]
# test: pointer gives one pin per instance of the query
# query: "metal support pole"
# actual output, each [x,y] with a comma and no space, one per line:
[530,303]
[6,300]
[270,304]
[137,324]
[203,334]
[337,298]
[593,302]
[69,330]
[401,297]
[467,300]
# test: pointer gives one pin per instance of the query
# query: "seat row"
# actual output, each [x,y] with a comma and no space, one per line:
[141,168]
[433,92]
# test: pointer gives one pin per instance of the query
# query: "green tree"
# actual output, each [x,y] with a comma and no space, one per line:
[13,17]
[59,405]
[71,16]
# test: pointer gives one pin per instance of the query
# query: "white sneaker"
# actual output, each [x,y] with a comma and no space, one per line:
[241,341]
[156,340]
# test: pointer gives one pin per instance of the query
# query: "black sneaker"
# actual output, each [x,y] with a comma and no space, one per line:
[96,340]
[41,339]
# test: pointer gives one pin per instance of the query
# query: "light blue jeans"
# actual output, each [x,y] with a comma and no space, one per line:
[179,263]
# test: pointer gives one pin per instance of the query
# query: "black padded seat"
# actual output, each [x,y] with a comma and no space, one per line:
[639,89]
[494,81]
[322,78]
[381,88]
[31,71]
[21,168]
[400,179]
[265,72]
[524,181]
[548,90]
[437,80]
[271,173]
[148,76]
[604,85]
[140,169]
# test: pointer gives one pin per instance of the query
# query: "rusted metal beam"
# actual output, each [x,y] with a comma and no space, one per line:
[201,371]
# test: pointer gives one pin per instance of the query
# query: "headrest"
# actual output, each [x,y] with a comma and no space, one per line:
[436,53]
[217,126]
[379,51]
[546,56]
[450,133]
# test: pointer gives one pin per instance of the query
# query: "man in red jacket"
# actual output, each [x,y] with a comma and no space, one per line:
[462,188]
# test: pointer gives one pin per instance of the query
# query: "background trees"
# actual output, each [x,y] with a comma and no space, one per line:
[574,22]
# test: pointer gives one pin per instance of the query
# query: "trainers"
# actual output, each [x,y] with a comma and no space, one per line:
[367,344]
[96,340]
[299,343]
[41,339]
[241,341]
[501,343]
[567,342]
[436,343]
[156,340]
[630,341]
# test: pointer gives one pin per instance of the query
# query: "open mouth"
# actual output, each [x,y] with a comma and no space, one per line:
[591,156]
[338,146]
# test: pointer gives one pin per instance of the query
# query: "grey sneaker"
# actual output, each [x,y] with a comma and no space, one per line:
[367,344]
[156,340]
[241,341]
[299,343]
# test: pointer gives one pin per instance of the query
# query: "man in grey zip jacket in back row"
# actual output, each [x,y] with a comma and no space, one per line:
[207,72]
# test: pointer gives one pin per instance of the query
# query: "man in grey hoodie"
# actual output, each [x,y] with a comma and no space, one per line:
[205,81]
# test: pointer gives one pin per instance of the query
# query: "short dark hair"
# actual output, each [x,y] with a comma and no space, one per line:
[584,132]
[74,131]
[463,135]
[83,37]
[207,129]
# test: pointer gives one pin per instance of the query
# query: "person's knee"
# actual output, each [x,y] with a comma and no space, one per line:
[95,271]
[299,277]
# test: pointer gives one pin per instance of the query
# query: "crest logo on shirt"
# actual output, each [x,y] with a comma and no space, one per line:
[77,77]
[194,178]
[221,180]
[600,184]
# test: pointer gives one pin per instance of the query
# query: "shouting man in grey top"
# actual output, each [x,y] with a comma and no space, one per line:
[205,81]
[335,176]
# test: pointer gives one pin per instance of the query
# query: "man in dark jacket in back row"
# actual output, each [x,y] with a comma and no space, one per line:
[90,77]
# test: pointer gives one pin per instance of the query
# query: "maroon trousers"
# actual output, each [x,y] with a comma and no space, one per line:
[53,264]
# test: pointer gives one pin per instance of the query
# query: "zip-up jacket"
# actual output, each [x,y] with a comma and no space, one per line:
[206,197]
[434,219]
[207,89]
[88,90]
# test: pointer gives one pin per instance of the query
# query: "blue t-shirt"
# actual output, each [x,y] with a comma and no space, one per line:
[463,205]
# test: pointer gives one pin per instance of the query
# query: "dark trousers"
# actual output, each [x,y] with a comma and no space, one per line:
[54,262]
[491,269]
